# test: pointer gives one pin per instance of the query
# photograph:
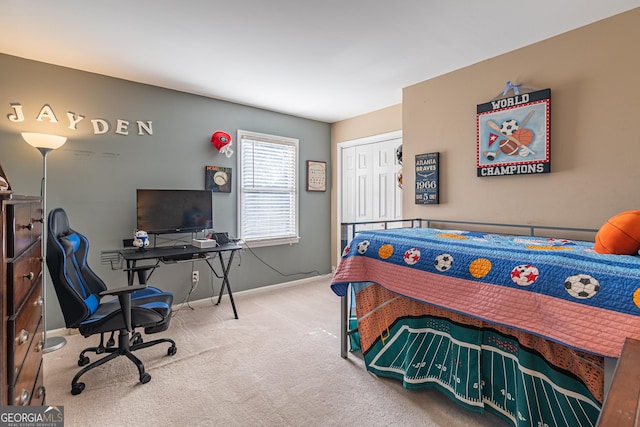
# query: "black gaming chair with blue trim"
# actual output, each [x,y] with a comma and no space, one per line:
[85,305]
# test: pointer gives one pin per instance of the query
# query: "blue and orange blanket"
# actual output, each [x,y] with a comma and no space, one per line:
[558,289]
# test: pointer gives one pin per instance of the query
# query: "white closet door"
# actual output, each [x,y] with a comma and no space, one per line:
[348,185]
[369,188]
[368,183]
[364,183]
[387,196]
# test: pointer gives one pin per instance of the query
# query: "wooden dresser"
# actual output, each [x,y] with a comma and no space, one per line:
[21,335]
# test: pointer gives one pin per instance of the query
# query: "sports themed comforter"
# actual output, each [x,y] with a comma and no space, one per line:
[561,290]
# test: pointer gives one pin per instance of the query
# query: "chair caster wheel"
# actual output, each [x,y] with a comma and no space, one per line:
[77,388]
[83,360]
[137,339]
[172,350]
[145,378]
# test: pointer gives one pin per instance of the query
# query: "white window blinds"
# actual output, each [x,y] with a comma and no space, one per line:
[268,199]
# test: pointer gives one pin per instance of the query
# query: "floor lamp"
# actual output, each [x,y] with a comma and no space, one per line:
[45,143]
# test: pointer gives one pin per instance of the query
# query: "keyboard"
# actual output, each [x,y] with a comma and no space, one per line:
[181,257]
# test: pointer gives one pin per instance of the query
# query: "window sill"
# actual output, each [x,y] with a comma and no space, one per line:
[257,243]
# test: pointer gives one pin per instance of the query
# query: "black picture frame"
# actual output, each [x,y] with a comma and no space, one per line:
[514,135]
[427,179]
[217,179]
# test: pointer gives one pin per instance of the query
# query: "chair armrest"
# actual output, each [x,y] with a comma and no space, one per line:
[122,290]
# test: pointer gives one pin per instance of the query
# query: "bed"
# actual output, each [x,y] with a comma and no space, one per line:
[518,325]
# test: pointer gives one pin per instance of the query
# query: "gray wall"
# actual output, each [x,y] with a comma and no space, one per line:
[94,177]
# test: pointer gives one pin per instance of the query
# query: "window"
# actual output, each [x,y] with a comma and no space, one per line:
[268,181]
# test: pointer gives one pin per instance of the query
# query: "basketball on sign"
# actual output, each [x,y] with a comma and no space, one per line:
[525,136]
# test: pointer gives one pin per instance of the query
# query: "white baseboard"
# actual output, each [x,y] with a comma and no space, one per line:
[207,301]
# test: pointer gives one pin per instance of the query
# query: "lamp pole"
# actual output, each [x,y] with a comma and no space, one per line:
[50,343]
[45,144]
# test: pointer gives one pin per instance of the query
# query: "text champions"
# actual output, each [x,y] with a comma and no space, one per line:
[514,169]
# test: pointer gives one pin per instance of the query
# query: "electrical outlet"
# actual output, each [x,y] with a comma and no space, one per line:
[195,276]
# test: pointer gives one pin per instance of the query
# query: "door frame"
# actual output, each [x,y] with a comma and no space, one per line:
[339,147]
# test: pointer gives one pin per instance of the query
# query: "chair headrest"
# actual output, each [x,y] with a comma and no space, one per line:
[70,243]
[58,223]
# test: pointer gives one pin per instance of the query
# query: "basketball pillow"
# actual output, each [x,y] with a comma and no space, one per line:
[620,235]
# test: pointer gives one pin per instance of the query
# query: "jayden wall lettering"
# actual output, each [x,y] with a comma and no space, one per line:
[98,125]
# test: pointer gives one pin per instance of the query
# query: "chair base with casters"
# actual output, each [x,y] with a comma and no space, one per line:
[125,348]
[89,306]
[127,343]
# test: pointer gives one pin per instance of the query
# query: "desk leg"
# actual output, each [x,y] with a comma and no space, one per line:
[225,281]
[130,265]
[142,272]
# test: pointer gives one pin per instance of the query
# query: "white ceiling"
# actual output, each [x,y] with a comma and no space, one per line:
[326,60]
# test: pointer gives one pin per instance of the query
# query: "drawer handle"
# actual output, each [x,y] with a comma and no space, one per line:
[39,301]
[40,346]
[41,391]
[24,398]
[22,337]
[29,226]
[29,275]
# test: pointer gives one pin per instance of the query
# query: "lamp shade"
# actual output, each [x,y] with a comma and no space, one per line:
[43,140]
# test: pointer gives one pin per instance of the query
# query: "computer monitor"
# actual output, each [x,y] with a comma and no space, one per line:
[174,211]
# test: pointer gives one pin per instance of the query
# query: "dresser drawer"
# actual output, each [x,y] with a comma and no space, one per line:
[23,333]
[21,392]
[24,273]
[25,227]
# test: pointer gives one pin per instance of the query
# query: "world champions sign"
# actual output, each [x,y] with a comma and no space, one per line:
[513,135]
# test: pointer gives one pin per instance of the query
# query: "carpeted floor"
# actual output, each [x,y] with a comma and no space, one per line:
[279,364]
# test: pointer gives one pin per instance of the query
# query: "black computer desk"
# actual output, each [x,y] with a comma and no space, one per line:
[180,254]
